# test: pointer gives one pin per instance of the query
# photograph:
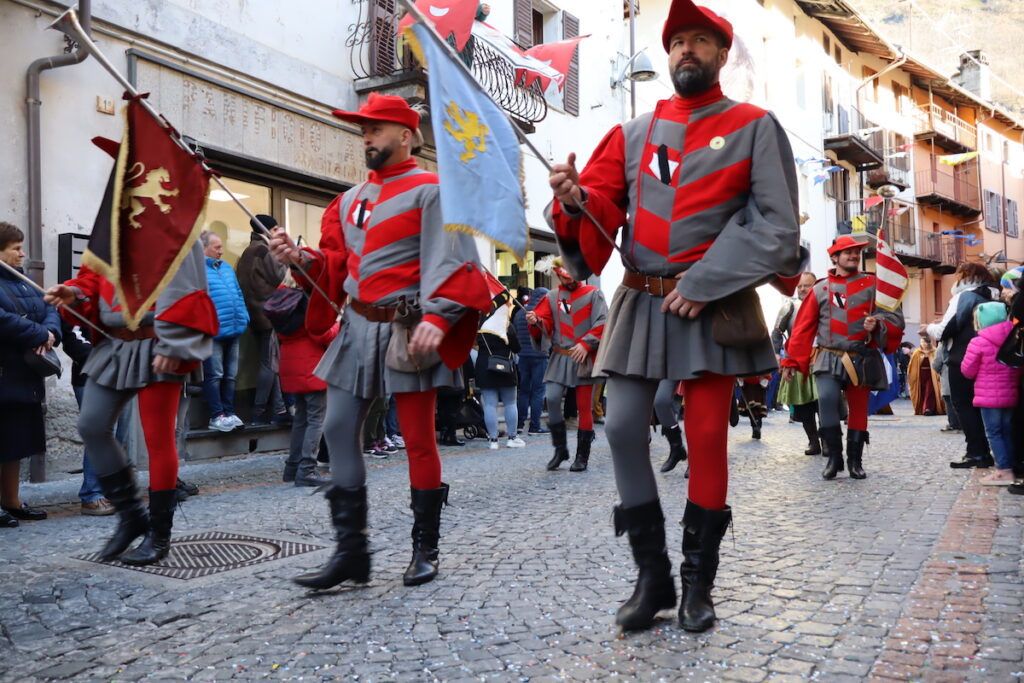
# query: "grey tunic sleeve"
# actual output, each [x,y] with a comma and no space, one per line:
[179,341]
[442,252]
[761,240]
[598,314]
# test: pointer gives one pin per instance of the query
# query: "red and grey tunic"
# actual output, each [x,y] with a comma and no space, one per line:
[569,317]
[380,241]
[832,318]
[180,325]
[703,186]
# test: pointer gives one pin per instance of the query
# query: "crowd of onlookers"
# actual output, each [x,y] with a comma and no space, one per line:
[967,366]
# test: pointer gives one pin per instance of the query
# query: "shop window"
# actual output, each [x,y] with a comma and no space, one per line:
[227,220]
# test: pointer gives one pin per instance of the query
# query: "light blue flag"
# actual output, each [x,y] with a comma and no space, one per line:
[478,156]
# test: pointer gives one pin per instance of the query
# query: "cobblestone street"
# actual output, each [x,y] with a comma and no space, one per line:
[913,574]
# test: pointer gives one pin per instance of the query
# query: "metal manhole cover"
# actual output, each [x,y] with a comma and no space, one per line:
[213,552]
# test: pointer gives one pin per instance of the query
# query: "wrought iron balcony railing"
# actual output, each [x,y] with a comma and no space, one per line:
[375,50]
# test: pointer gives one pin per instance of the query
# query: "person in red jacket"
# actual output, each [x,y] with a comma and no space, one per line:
[301,350]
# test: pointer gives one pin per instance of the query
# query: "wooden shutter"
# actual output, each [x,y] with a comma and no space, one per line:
[523,10]
[383,20]
[571,29]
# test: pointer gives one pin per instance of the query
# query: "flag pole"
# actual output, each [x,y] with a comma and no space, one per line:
[33,283]
[453,56]
[68,23]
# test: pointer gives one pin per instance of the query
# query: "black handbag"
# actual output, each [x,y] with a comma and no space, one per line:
[502,366]
[43,365]
[870,367]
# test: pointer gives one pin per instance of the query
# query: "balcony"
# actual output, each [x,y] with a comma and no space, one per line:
[954,190]
[919,249]
[380,64]
[945,129]
[853,218]
[854,139]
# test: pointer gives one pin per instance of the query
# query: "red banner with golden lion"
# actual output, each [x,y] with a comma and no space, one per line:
[151,214]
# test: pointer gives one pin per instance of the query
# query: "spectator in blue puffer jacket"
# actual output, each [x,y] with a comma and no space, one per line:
[220,369]
[532,365]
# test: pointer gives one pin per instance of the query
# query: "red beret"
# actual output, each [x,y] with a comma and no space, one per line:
[845,242]
[390,108]
[684,14]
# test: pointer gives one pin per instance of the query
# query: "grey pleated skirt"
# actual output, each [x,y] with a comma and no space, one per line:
[354,362]
[641,341]
[567,372]
[124,365]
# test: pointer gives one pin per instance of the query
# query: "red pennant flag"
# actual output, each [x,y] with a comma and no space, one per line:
[872,201]
[450,17]
[151,215]
[557,55]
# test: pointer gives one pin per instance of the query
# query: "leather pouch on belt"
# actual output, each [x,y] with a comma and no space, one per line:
[737,320]
[397,357]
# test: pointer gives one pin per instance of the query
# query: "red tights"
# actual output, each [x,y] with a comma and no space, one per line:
[857,401]
[416,418]
[585,406]
[706,420]
[158,412]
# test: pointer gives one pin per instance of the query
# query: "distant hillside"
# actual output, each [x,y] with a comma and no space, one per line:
[995,26]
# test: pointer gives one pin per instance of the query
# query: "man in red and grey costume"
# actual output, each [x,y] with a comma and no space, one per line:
[383,246]
[569,319]
[839,319]
[150,362]
[705,191]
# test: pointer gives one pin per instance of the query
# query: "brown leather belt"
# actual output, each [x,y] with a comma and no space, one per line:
[561,351]
[652,284]
[124,334]
[375,314]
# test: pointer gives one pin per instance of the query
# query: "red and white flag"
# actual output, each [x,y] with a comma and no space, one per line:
[890,274]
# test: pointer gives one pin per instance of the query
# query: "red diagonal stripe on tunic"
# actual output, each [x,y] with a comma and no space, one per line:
[391,230]
[566,331]
[700,133]
[651,231]
[691,254]
[384,282]
[837,327]
[712,190]
[580,315]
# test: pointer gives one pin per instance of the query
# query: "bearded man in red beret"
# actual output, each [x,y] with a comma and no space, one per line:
[705,191]
[412,292]
[837,331]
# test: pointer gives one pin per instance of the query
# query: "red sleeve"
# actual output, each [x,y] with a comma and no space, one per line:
[89,283]
[801,340]
[328,269]
[327,337]
[604,181]
[194,311]
[893,336]
[547,320]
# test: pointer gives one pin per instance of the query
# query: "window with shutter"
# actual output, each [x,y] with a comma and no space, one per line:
[383,19]
[993,206]
[523,10]
[571,29]
[1011,218]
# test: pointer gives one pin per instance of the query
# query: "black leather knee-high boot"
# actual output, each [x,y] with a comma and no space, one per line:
[157,543]
[813,438]
[558,440]
[703,530]
[855,440]
[351,558]
[677,451]
[655,590]
[132,518]
[426,534]
[833,438]
[584,437]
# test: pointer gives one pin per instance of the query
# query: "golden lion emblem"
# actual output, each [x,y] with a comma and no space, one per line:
[471,133]
[151,187]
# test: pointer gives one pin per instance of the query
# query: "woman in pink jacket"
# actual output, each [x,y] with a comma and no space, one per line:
[995,394]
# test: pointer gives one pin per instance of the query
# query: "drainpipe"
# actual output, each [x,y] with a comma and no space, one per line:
[35,264]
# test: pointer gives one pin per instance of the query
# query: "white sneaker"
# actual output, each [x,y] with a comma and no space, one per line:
[235,421]
[515,442]
[221,423]
[397,440]
[493,444]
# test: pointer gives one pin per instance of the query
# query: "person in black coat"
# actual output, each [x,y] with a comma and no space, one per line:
[26,325]
[497,381]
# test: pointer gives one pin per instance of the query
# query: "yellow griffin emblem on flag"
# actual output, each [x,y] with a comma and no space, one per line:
[471,133]
[151,187]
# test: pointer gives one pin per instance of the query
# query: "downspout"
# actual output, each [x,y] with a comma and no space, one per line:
[35,265]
